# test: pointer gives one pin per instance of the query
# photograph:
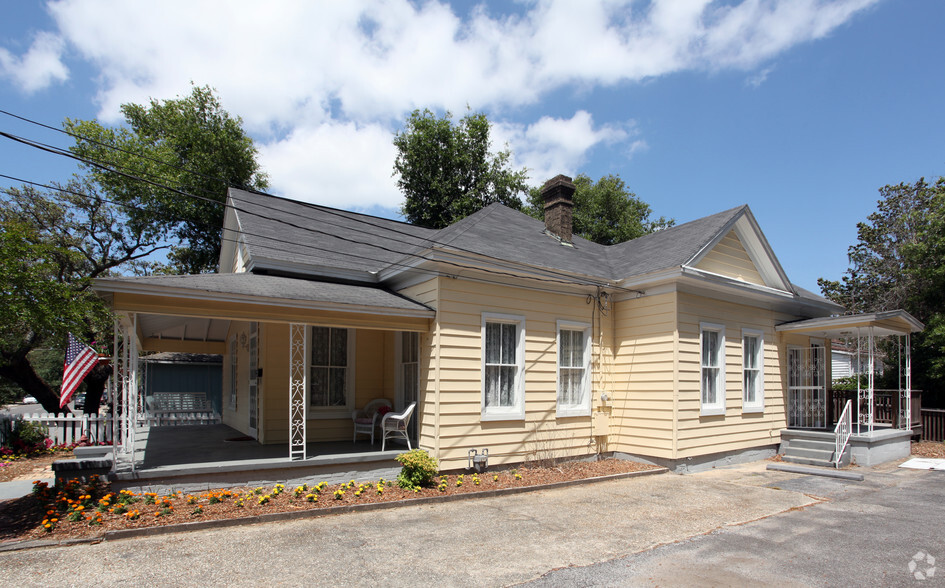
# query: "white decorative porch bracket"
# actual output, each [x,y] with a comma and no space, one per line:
[298,385]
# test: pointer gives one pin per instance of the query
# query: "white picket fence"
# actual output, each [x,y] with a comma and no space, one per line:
[69,428]
[63,428]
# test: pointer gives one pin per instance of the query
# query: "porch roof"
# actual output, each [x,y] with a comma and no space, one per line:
[175,306]
[886,323]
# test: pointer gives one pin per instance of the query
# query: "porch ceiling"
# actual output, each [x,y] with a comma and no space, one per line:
[884,324]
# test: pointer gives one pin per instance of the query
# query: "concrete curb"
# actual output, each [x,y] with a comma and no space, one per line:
[313,513]
[812,471]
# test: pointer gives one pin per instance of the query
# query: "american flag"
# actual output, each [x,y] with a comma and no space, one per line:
[80,358]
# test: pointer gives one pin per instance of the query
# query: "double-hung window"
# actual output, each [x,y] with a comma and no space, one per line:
[331,363]
[712,343]
[574,369]
[753,392]
[503,367]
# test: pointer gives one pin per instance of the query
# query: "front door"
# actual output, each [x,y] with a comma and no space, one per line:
[807,393]
[253,379]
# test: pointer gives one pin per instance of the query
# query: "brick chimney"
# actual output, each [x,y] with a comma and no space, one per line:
[557,196]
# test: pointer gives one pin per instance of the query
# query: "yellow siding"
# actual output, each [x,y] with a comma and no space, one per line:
[700,435]
[374,378]
[427,408]
[541,435]
[729,258]
[643,376]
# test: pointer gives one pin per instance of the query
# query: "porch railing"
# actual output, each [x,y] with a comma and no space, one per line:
[842,432]
[933,424]
[886,407]
[64,429]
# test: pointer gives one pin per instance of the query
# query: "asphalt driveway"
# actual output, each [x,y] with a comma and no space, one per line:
[486,542]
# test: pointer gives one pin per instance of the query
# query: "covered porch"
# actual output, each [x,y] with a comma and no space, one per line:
[864,425]
[287,399]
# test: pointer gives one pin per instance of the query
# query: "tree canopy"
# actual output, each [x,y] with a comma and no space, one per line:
[52,244]
[898,261]
[133,201]
[606,211]
[447,171]
[190,151]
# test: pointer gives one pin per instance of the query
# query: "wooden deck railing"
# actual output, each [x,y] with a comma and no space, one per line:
[933,424]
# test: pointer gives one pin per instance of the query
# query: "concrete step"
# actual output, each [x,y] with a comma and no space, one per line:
[824,463]
[821,444]
[810,453]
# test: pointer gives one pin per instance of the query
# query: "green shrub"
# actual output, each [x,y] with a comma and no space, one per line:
[419,469]
[28,437]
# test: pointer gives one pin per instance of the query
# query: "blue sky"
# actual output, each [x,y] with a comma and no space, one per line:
[801,109]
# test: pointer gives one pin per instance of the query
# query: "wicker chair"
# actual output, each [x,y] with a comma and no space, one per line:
[366,419]
[395,425]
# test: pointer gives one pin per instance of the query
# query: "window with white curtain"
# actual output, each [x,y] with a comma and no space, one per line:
[753,394]
[331,359]
[712,344]
[574,369]
[503,367]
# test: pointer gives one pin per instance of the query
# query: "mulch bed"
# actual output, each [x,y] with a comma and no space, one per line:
[933,449]
[47,512]
[31,468]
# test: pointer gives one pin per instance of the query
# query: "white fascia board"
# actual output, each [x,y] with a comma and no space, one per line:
[484,263]
[759,250]
[733,283]
[229,237]
[105,285]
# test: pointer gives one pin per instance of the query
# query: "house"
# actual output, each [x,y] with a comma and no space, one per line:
[689,346]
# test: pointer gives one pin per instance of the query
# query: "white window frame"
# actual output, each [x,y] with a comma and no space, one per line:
[234,370]
[517,410]
[331,412]
[582,408]
[717,407]
[758,405]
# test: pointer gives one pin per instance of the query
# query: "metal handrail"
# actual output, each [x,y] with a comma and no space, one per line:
[842,432]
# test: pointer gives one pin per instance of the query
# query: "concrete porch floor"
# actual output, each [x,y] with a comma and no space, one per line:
[202,456]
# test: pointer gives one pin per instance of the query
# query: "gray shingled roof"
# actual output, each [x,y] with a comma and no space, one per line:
[354,242]
[668,248]
[253,285]
[299,233]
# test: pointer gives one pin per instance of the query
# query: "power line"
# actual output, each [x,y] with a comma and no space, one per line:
[322,249]
[115,168]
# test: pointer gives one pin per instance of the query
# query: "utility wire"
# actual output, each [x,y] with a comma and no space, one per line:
[322,249]
[360,218]
[422,240]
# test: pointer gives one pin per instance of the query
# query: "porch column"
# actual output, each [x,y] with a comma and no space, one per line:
[298,385]
[870,381]
[126,372]
[907,394]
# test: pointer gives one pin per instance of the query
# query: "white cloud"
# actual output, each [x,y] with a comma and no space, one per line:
[336,164]
[552,146]
[332,78]
[39,67]
[755,80]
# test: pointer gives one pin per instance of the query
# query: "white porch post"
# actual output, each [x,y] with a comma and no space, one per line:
[298,386]
[907,401]
[126,369]
[870,384]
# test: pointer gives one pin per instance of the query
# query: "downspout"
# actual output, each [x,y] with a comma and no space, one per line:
[436,374]
[675,441]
